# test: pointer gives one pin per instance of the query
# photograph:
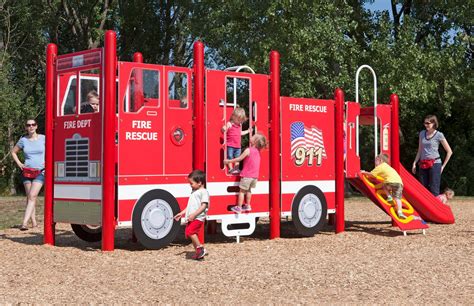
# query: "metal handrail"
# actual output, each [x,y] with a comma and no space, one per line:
[375,108]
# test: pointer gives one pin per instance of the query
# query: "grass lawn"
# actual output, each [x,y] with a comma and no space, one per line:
[12,210]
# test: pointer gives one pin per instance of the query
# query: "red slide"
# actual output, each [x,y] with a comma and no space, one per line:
[429,208]
[371,188]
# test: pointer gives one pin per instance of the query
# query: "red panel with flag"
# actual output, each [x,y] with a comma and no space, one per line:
[306,136]
[307,133]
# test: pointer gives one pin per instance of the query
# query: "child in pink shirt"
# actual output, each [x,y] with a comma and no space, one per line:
[448,194]
[233,129]
[250,172]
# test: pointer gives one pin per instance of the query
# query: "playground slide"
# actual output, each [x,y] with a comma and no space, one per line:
[429,208]
[372,189]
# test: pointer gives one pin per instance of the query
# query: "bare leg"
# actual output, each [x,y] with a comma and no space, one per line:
[231,166]
[399,209]
[386,190]
[195,240]
[27,191]
[248,196]
[399,205]
[30,207]
[34,223]
[241,197]
[236,165]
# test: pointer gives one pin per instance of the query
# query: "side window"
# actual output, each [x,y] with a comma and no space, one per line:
[143,90]
[238,92]
[238,95]
[69,105]
[177,90]
[89,95]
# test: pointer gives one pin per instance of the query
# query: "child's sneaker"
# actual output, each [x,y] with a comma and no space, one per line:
[401,215]
[389,198]
[200,253]
[246,207]
[234,171]
[237,209]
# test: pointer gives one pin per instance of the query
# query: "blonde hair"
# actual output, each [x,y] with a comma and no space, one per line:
[239,113]
[384,157]
[449,190]
[260,141]
[92,95]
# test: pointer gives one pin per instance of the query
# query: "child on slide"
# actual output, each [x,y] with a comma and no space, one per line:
[392,185]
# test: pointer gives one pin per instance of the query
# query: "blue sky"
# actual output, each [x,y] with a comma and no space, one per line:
[380,5]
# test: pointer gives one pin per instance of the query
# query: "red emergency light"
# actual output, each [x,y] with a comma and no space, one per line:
[87,59]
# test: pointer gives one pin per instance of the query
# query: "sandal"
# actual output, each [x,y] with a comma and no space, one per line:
[23,228]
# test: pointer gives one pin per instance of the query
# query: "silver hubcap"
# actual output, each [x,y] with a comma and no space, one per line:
[157,219]
[309,210]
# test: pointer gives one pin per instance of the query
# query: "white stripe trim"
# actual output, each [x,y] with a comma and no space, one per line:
[81,192]
[220,188]
[234,216]
[133,192]
[293,187]
[124,224]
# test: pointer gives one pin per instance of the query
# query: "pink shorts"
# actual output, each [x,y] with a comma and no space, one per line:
[193,228]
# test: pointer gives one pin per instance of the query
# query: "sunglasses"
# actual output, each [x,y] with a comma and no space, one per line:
[30,124]
[426,123]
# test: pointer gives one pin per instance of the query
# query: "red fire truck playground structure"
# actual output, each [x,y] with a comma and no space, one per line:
[126,165]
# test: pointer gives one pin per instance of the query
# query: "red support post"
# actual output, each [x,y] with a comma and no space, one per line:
[275,145]
[108,141]
[49,225]
[395,134]
[138,58]
[199,140]
[339,157]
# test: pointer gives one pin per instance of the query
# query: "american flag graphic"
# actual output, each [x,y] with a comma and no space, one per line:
[302,136]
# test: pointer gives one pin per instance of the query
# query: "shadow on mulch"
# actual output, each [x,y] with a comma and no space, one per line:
[360,226]
[123,237]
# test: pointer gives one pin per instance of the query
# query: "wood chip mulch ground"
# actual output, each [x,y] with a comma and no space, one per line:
[370,263]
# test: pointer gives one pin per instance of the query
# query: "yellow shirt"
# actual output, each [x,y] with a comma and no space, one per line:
[387,173]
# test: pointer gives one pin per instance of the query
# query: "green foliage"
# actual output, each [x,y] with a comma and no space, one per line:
[421,52]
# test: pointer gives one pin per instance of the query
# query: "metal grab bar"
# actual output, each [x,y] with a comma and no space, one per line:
[375,108]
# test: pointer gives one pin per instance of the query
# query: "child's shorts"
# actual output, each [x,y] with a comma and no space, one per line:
[247,182]
[193,228]
[395,189]
[233,152]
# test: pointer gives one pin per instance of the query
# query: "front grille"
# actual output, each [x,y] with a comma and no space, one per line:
[77,156]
